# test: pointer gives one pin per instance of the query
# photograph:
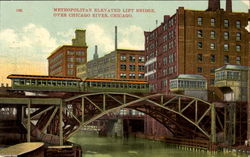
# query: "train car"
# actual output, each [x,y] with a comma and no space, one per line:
[114,85]
[73,84]
[44,83]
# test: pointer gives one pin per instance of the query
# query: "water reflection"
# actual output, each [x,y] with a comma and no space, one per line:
[94,146]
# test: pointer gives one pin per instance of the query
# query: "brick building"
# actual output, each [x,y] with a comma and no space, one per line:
[64,60]
[120,64]
[195,42]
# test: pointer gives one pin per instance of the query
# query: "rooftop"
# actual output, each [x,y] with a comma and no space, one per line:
[190,76]
[232,67]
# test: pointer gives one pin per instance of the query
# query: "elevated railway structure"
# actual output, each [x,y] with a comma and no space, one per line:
[54,116]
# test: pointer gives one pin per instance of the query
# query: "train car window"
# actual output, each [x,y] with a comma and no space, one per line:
[69,83]
[129,85]
[74,83]
[21,82]
[49,83]
[54,83]
[63,83]
[59,83]
[138,86]
[134,85]
[44,83]
[98,84]
[122,85]
[108,84]
[113,85]
[93,84]
[117,85]
[88,84]
[125,85]
[27,82]
[33,82]
[142,85]
[16,82]
[103,84]
[39,82]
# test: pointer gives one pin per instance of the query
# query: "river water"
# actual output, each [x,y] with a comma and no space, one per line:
[94,146]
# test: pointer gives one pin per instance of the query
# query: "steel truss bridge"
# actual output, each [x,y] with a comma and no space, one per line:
[55,120]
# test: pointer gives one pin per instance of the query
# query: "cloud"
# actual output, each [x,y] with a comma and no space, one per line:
[24,51]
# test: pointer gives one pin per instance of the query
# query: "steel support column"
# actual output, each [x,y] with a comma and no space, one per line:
[60,124]
[83,109]
[28,122]
[213,124]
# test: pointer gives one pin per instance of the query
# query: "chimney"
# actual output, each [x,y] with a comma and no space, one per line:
[115,38]
[96,52]
[213,5]
[229,5]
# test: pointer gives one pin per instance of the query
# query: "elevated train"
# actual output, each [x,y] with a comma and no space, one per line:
[73,84]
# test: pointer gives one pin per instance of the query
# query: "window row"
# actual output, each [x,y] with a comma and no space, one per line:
[132,67]
[227,75]
[213,46]
[116,85]
[132,58]
[131,76]
[226,36]
[78,53]
[187,84]
[213,21]
[72,59]
[43,82]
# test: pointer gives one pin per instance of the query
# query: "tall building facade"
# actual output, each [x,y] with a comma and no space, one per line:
[119,64]
[195,42]
[64,60]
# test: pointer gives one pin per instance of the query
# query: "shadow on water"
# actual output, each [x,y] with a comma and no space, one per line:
[94,146]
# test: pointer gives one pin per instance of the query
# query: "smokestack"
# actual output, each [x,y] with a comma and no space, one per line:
[96,56]
[213,5]
[229,5]
[115,37]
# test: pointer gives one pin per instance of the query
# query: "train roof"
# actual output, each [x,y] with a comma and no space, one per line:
[115,80]
[42,77]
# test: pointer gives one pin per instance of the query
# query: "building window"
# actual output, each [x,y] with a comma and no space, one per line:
[226,23]
[132,67]
[123,67]
[199,33]
[212,46]
[238,48]
[212,34]
[226,59]
[141,67]
[238,36]
[132,75]
[238,60]
[70,52]
[80,60]
[132,58]
[213,22]
[199,69]
[212,70]
[141,59]
[226,47]
[79,53]
[165,60]
[199,22]
[212,58]
[212,81]
[70,65]
[122,75]
[123,58]
[199,45]
[238,24]
[70,59]
[226,35]
[70,71]
[141,76]
[199,57]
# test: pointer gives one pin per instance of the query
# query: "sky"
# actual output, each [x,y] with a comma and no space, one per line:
[31,30]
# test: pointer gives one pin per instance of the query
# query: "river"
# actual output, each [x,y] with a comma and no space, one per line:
[94,146]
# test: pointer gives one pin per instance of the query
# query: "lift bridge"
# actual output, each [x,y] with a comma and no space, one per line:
[57,117]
